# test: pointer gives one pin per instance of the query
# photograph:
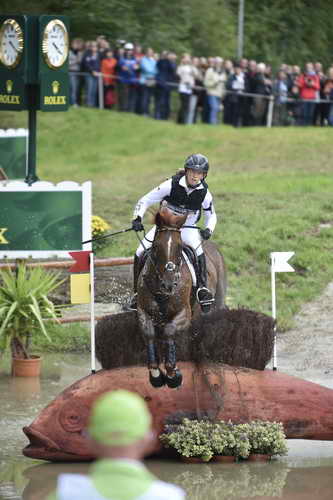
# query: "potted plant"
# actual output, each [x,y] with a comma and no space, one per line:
[223,441]
[24,307]
[191,439]
[266,439]
[229,441]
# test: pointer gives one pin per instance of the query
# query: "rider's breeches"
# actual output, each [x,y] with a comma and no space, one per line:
[189,236]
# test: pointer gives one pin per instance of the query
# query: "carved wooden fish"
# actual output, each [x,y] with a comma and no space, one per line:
[219,391]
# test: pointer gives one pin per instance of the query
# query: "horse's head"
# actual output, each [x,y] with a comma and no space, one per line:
[167,247]
[169,218]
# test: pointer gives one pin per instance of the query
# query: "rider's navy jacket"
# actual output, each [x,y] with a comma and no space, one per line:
[177,193]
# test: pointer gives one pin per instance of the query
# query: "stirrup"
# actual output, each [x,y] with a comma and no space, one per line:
[133,304]
[209,296]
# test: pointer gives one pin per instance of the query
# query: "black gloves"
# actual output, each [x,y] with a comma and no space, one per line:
[137,224]
[205,233]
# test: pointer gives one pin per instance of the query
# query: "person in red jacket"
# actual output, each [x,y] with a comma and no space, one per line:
[108,69]
[309,86]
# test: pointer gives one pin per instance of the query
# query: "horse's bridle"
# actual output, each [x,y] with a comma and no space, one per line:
[169,266]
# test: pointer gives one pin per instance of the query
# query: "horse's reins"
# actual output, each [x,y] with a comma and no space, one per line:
[149,256]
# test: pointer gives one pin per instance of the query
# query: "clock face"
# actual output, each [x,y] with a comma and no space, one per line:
[11,43]
[55,44]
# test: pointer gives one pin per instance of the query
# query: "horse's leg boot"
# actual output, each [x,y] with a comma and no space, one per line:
[158,381]
[204,295]
[175,381]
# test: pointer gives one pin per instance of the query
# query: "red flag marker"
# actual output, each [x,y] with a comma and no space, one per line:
[82,262]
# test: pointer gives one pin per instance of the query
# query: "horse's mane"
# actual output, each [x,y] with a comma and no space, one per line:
[167,217]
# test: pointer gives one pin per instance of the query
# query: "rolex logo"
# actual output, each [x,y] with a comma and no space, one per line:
[9,86]
[55,87]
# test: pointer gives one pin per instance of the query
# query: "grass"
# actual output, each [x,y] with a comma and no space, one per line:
[74,337]
[272,190]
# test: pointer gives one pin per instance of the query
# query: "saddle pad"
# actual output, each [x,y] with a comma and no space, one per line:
[191,269]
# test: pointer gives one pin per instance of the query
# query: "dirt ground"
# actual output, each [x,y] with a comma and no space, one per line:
[306,351]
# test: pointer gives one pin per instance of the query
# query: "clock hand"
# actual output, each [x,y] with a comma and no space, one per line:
[11,43]
[59,51]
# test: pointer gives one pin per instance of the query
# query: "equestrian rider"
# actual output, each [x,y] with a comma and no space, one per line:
[186,192]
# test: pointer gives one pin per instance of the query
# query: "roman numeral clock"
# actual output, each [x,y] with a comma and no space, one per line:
[34,62]
[34,69]
[11,43]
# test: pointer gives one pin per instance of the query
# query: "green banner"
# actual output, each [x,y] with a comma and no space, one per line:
[13,154]
[37,221]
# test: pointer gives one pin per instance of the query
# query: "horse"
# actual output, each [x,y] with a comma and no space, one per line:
[166,302]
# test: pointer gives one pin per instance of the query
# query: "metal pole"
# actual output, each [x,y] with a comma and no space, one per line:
[100,91]
[240,43]
[270,111]
[92,313]
[273,313]
[32,140]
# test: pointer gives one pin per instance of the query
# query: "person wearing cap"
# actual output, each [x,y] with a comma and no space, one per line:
[127,79]
[120,428]
[186,192]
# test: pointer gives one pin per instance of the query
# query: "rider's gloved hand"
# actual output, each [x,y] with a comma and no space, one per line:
[137,224]
[205,233]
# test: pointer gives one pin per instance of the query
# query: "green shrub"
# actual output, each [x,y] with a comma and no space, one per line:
[204,439]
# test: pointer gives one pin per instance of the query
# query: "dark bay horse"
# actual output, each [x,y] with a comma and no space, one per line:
[166,301]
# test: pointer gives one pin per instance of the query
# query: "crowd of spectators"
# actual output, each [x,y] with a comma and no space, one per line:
[211,90]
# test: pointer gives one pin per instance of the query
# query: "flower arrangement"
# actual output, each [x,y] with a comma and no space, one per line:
[98,228]
[205,439]
[229,439]
[191,438]
[266,437]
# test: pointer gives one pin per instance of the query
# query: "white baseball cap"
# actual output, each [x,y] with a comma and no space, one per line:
[129,46]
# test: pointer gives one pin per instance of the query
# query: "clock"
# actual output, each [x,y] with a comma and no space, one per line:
[55,43]
[11,43]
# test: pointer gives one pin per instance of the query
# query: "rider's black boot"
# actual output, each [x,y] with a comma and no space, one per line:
[136,271]
[204,295]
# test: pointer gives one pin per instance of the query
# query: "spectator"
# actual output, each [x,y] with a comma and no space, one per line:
[214,82]
[120,430]
[127,79]
[308,84]
[236,83]
[186,73]
[328,93]
[249,85]
[198,82]
[262,86]
[108,69]
[148,72]
[321,110]
[103,46]
[165,77]
[93,68]
[229,70]
[244,64]
[74,65]
[280,92]
[202,97]
[138,52]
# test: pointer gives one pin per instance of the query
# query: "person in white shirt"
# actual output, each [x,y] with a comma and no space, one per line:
[186,192]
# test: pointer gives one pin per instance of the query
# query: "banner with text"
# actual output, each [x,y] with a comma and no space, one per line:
[44,220]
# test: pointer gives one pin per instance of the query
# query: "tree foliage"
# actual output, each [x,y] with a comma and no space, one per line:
[279,31]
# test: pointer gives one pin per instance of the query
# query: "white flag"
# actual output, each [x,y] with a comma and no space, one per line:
[279,262]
